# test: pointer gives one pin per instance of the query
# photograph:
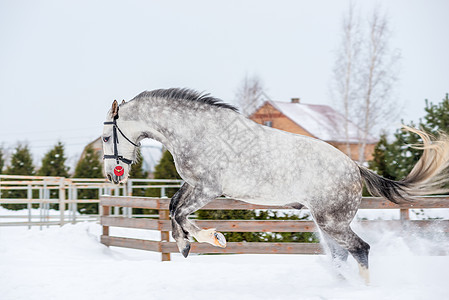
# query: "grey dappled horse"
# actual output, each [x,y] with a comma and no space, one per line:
[218,151]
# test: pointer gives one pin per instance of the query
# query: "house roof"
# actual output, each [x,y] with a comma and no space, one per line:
[321,121]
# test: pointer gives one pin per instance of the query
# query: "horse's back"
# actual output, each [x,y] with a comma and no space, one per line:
[282,168]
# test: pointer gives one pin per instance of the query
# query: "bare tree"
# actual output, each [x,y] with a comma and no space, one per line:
[378,75]
[364,76]
[250,94]
[344,72]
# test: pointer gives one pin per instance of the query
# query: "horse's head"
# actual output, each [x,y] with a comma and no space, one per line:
[120,142]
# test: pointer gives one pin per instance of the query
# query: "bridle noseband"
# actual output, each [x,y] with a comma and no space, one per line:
[115,141]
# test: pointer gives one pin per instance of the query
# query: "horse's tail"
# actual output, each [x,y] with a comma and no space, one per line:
[427,177]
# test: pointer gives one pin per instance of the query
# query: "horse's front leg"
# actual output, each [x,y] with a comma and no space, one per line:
[181,237]
[194,201]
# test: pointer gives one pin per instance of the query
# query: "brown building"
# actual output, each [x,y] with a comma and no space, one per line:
[317,121]
[97,145]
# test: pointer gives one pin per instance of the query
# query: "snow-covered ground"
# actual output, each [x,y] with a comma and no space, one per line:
[69,263]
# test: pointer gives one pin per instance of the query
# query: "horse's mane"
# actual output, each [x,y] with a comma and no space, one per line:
[187,95]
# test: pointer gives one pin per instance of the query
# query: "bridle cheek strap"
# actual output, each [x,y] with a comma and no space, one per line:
[115,141]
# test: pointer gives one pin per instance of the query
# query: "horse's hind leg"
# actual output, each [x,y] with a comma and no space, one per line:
[349,241]
[336,227]
[338,253]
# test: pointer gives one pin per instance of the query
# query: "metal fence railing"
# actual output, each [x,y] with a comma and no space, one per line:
[38,194]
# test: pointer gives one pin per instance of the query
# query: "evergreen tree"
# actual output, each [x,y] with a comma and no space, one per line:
[165,169]
[401,156]
[137,170]
[88,166]
[53,163]
[379,162]
[21,164]
[437,117]
[2,160]
[395,160]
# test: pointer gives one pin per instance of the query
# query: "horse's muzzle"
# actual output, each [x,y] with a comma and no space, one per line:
[115,179]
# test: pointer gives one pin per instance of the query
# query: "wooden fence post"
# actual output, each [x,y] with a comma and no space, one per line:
[61,200]
[165,235]
[106,212]
[404,214]
[29,205]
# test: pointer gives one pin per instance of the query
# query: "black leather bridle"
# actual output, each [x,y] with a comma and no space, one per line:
[116,156]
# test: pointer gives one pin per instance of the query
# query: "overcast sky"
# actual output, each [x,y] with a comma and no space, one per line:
[62,63]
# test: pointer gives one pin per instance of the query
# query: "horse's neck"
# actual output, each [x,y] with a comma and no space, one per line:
[174,125]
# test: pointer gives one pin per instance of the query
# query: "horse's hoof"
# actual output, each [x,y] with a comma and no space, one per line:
[220,240]
[364,273]
[212,237]
[186,250]
[183,246]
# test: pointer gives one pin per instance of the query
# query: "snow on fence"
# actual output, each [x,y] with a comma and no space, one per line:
[163,225]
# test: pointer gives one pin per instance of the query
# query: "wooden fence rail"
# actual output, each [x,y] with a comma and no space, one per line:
[163,225]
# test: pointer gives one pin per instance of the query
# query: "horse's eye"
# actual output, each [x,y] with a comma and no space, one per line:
[106,139]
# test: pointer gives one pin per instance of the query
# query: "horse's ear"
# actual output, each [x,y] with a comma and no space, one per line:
[123,102]
[114,109]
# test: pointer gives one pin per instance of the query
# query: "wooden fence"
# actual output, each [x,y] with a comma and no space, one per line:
[163,225]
